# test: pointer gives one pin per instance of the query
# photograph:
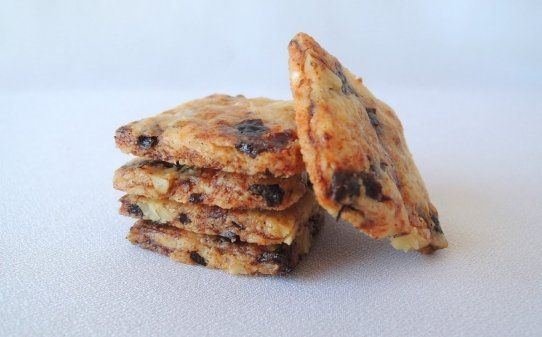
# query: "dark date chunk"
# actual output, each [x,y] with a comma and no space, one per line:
[371,112]
[197,259]
[344,184]
[250,131]
[272,142]
[195,198]
[255,139]
[346,88]
[252,149]
[184,219]
[279,256]
[272,194]
[282,257]
[147,142]
[230,236]
[436,223]
[251,127]
[135,210]
[373,189]
[238,225]
[279,140]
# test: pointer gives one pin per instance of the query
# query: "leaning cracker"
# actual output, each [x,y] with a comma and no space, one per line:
[233,134]
[355,153]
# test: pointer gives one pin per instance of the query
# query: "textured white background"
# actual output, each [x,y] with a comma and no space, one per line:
[466,79]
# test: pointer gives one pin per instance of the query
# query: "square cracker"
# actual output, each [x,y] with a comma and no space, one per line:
[356,154]
[233,134]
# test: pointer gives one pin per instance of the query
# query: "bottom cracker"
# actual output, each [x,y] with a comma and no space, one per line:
[216,252]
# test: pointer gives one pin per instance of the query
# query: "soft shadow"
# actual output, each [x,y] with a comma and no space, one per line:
[338,248]
[341,249]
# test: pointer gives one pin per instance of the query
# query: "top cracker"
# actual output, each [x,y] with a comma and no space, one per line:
[355,153]
[233,134]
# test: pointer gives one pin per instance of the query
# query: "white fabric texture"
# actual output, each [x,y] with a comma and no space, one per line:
[465,77]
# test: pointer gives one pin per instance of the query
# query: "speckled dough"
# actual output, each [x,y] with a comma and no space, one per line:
[233,134]
[161,180]
[355,153]
[217,252]
[254,226]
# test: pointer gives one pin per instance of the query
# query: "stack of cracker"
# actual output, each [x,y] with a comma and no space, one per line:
[219,182]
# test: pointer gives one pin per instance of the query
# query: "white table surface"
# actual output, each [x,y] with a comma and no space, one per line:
[66,269]
[464,76]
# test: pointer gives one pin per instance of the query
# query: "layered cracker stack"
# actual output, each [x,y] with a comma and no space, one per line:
[219,182]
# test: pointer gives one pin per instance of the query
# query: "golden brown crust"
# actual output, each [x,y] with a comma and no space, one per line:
[161,180]
[233,134]
[253,226]
[355,152]
[215,252]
